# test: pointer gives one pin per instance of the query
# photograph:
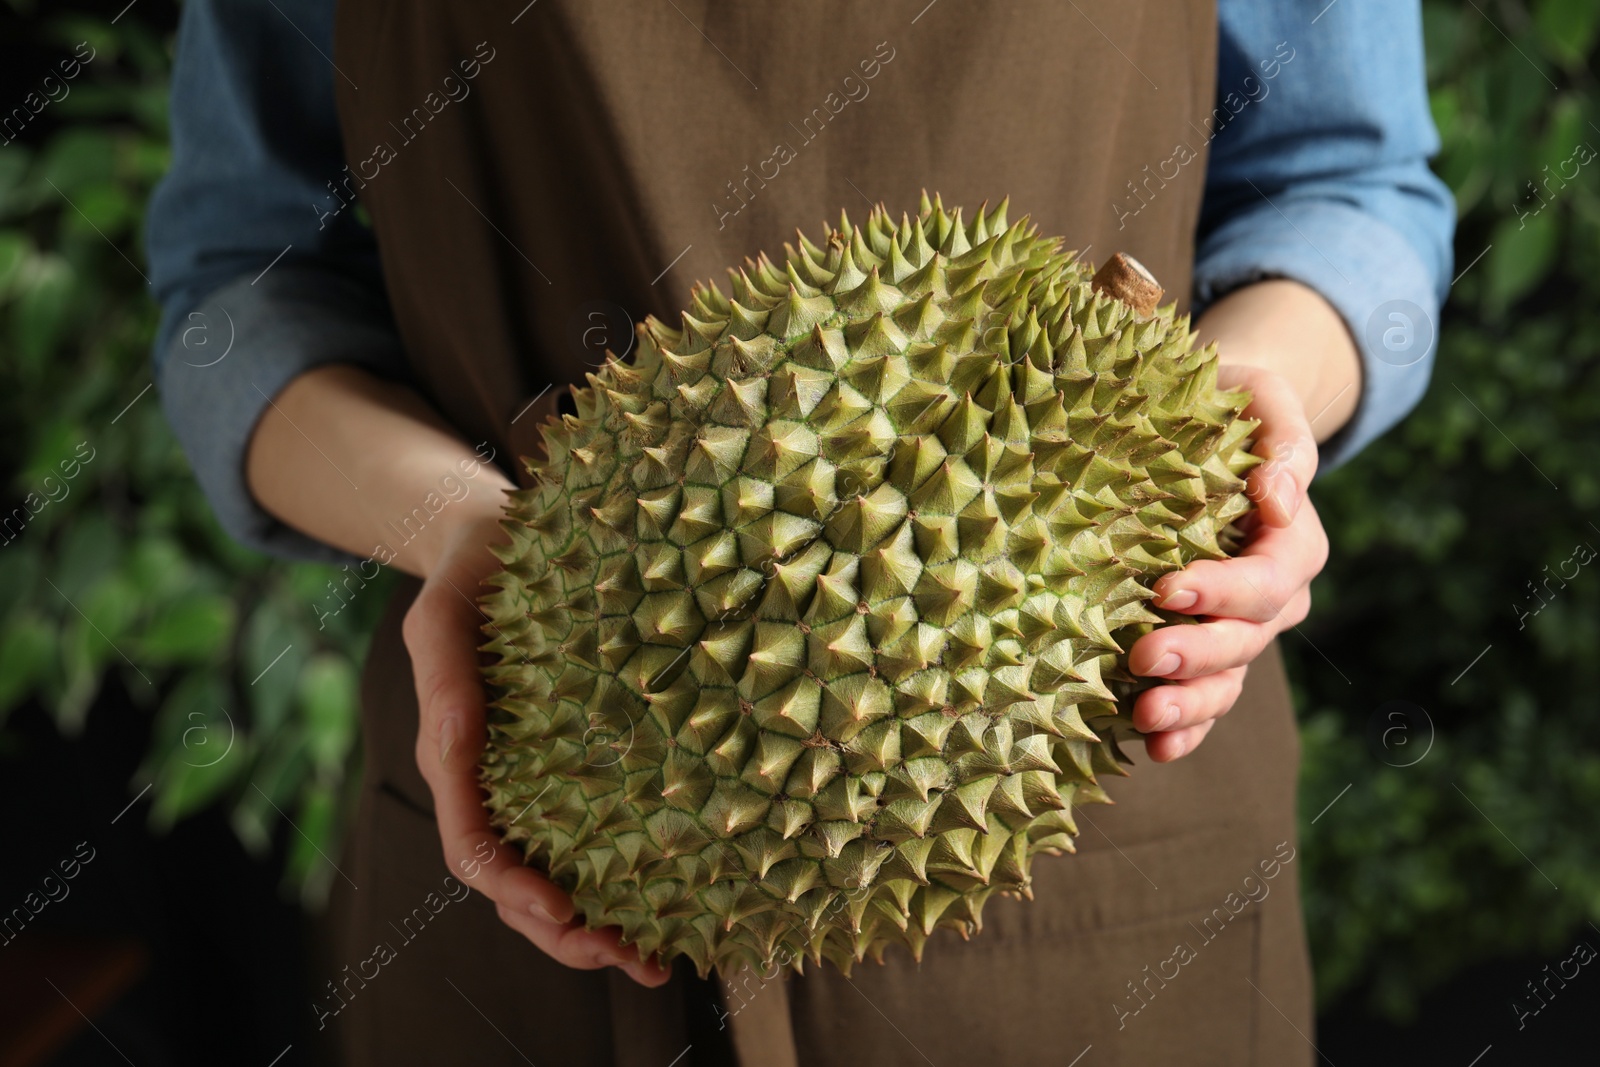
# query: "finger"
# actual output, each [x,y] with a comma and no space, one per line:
[482,861]
[1179,705]
[441,634]
[1283,441]
[1164,748]
[1276,565]
[1178,652]
[572,945]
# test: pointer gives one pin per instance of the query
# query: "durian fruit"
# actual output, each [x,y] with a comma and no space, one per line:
[813,629]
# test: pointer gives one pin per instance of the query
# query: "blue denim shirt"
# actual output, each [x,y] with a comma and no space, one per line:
[1318,172]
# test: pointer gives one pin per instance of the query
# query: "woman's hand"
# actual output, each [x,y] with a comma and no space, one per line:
[1287,345]
[340,455]
[442,634]
[1243,602]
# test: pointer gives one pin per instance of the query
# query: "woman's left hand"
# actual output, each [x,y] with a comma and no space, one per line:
[1243,602]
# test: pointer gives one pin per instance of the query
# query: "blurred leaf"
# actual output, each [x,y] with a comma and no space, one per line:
[14,163]
[84,654]
[1518,91]
[312,584]
[27,645]
[76,159]
[111,604]
[283,766]
[91,102]
[102,209]
[309,864]
[273,657]
[275,779]
[253,819]
[193,629]
[90,549]
[327,693]
[19,569]
[15,250]
[1445,106]
[39,317]
[159,568]
[198,752]
[1523,253]
[1565,131]
[1441,33]
[95,632]
[1568,27]
[105,39]
[146,51]
[51,458]
[148,160]
[149,106]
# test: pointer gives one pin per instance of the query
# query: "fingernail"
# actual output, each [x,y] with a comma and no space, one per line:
[539,911]
[1169,718]
[1164,666]
[1180,600]
[618,958]
[1288,494]
[447,738]
[1274,496]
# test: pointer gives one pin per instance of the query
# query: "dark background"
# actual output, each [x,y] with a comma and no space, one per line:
[1451,735]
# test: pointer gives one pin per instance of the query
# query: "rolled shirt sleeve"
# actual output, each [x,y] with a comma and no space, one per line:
[1318,173]
[234,353]
[257,259]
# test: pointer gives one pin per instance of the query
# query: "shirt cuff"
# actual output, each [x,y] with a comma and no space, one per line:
[1363,267]
[235,352]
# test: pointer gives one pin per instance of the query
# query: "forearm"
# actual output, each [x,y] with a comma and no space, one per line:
[366,465]
[1287,328]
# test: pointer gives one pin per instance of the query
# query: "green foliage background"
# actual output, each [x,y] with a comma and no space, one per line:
[1412,873]
[125,578]
[1485,846]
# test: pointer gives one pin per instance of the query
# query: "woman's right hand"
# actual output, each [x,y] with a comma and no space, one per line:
[338,455]
[442,633]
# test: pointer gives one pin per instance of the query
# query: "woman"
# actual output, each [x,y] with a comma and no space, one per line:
[537,175]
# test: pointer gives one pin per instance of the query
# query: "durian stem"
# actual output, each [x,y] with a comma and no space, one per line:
[1128,280]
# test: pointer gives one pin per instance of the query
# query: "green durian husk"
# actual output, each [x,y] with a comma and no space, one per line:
[813,627]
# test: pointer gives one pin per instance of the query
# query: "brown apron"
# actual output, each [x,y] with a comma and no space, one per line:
[538,176]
